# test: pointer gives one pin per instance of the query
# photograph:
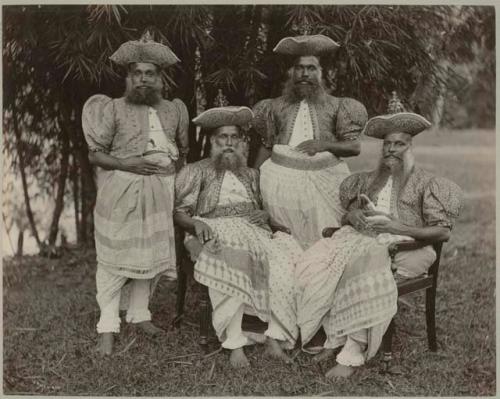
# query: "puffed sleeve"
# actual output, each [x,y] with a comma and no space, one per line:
[349,190]
[182,134]
[187,188]
[441,202]
[263,122]
[98,123]
[351,119]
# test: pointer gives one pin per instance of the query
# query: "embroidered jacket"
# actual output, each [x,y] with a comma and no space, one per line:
[123,129]
[198,185]
[423,200]
[333,119]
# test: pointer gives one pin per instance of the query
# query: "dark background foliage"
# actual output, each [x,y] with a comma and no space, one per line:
[440,59]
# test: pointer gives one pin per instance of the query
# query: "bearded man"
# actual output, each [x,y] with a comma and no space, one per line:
[135,141]
[305,132]
[246,267]
[345,282]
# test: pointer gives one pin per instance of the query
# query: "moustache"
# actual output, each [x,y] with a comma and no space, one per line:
[392,156]
[227,151]
[306,81]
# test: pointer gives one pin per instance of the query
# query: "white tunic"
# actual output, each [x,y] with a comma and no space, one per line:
[302,128]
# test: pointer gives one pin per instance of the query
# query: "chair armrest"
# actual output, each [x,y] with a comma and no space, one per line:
[329,231]
[400,246]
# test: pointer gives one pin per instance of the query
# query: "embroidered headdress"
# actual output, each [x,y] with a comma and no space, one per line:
[144,50]
[305,44]
[223,115]
[396,120]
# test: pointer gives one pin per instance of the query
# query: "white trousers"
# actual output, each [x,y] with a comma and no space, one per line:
[227,318]
[353,351]
[109,293]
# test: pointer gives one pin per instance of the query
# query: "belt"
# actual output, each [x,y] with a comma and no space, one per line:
[304,163]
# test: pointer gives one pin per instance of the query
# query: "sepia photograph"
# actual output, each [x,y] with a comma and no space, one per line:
[249,200]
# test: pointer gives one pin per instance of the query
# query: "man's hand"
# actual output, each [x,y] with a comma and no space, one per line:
[392,226]
[312,147]
[203,231]
[258,217]
[279,227]
[357,219]
[139,165]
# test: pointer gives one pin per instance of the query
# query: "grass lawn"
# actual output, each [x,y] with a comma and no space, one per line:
[50,313]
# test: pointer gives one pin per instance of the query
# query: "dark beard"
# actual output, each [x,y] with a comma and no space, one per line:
[228,161]
[150,96]
[295,92]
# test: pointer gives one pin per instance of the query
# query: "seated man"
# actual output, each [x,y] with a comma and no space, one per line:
[345,282]
[245,267]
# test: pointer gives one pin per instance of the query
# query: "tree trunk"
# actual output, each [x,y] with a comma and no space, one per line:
[276,20]
[20,243]
[61,187]
[437,111]
[76,197]
[256,21]
[22,169]
[87,189]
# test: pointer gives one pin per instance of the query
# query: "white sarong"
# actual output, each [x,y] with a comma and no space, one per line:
[345,283]
[253,265]
[301,192]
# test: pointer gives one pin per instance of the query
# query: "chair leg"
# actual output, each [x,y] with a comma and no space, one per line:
[387,347]
[205,317]
[181,295]
[430,316]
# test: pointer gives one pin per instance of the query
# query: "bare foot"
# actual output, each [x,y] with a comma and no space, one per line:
[274,350]
[325,354]
[340,371]
[105,344]
[149,328]
[238,359]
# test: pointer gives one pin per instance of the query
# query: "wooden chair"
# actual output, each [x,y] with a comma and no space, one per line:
[427,282]
[185,267]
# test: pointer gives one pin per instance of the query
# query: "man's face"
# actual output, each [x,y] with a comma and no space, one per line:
[144,84]
[227,139]
[394,148]
[144,75]
[228,148]
[306,71]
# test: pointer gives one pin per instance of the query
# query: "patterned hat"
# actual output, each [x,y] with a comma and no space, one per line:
[396,120]
[144,50]
[305,44]
[224,116]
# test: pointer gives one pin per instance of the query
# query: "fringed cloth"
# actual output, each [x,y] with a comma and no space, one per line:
[345,283]
[301,191]
[134,230]
[248,263]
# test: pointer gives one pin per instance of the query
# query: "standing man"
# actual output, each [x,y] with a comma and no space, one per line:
[246,267]
[305,132]
[345,282]
[136,140]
